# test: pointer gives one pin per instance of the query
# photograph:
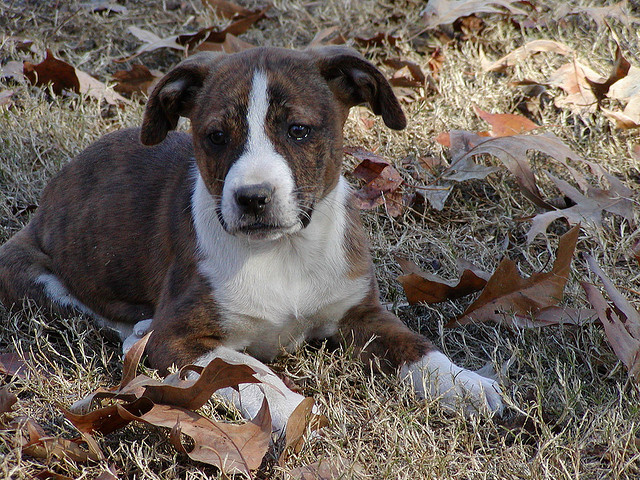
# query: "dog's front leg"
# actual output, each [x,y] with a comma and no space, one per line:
[377,333]
[186,331]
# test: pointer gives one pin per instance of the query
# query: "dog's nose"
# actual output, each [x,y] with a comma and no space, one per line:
[254,198]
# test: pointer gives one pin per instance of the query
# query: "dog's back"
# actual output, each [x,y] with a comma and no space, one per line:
[112,190]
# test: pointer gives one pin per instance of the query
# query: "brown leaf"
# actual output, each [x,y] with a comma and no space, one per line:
[621,321]
[227,9]
[588,207]
[49,475]
[97,6]
[328,36]
[524,52]
[422,287]
[618,11]
[232,448]
[192,394]
[138,79]
[445,12]
[627,119]
[7,400]
[506,124]
[13,365]
[382,182]
[512,151]
[132,360]
[51,70]
[107,419]
[42,446]
[301,421]
[620,70]
[106,475]
[635,250]
[378,39]
[230,44]
[63,76]
[435,62]
[327,469]
[627,87]
[407,74]
[573,78]
[510,299]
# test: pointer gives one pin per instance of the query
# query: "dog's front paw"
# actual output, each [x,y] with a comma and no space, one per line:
[435,376]
[140,329]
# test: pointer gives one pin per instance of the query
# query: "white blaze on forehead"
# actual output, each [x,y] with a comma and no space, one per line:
[260,162]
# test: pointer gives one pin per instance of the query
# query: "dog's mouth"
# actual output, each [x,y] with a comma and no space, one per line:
[264,231]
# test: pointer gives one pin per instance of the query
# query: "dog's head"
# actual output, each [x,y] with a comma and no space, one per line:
[267,128]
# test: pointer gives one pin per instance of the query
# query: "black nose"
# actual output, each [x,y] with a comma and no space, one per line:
[254,198]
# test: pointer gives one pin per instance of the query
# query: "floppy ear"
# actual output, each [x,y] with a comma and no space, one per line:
[174,96]
[354,80]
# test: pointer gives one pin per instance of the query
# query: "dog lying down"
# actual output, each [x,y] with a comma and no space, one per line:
[236,241]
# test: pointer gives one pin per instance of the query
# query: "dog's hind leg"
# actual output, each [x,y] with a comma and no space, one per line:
[25,273]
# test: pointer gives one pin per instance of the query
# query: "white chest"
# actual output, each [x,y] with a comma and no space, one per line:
[274,295]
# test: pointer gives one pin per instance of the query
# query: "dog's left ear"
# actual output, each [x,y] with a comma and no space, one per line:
[354,80]
[174,96]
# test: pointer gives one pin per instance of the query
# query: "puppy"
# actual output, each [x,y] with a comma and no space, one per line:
[237,241]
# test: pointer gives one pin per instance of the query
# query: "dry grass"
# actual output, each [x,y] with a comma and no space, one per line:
[573,413]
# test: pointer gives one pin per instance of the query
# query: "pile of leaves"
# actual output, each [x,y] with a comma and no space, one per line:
[170,403]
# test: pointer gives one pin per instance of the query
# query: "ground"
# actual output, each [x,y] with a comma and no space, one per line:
[572,411]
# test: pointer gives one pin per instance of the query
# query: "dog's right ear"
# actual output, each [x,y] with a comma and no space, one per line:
[173,97]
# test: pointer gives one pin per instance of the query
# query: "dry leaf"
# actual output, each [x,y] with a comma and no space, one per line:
[512,300]
[13,365]
[618,11]
[97,6]
[407,74]
[524,52]
[512,151]
[573,78]
[326,469]
[635,251]
[13,70]
[138,79]
[232,448]
[328,36]
[505,124]
[588,208]
[301,422]
[49,475]
[40,445]
[382,182]
[227,9]
[422,287]
[627,87]
[621,321]
[204,39]
[7,400]
[620,70]
[627,119]
[51,70]
[378,39]
[445,12]
[230,44]
[63,76]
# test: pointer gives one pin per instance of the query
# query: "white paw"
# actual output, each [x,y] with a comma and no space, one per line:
[140,329]
[249,396]
[435,376]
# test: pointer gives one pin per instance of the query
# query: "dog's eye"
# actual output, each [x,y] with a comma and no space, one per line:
[218,137]
[298,132]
